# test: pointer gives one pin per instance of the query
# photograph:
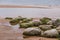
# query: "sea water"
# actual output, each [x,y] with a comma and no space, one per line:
[30,12]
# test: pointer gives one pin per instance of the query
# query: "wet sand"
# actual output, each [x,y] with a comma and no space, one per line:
[22,6]
[28,6]
[8,33]
[39,38]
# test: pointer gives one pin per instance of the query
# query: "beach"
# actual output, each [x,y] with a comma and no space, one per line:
[7,32]
[12,10]
[33,11]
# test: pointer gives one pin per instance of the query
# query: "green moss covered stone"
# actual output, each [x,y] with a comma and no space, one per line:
[9,18]
[45,27]
[25,25]
[32,32]
[53,33]
[45,20]
[14,22]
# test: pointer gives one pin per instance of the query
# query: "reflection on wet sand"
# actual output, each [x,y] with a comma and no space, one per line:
[11,33]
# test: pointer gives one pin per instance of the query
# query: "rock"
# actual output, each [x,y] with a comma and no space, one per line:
[36,23]
[58,29]
[9,18]
[45,20]
[49,23]
[35,31]
[45,27]
[51,33]
[56,22]
[14,22]
[25,20]
[29,24]
[25,25]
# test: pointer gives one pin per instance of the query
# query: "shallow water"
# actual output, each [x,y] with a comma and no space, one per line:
[30,12]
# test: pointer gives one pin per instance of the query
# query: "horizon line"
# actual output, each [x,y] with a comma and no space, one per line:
[23,6]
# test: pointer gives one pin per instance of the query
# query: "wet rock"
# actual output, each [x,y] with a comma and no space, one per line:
[25,25]
[26,20]
[14,22]
[35,23]
[45,27]
[29,24]
[9,18]
[56,22]
[32,31]
[58,29]
[51,33]
[19,18]
[45,20]
[49,23]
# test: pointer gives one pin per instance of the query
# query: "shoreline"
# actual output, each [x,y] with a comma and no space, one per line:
[28,6]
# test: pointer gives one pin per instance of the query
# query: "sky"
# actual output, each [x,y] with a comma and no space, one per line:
[31,2]
[28,11]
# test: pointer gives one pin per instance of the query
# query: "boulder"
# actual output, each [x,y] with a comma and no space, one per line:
[25,20]
[35,23]
[25,25]
[45,20]
[9,18]
[45,27]
[14,22]
[51,33]
[49,23]
[35,31]
[56,22]
[58,29]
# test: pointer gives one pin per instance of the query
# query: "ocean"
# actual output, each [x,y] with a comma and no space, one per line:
[30,12]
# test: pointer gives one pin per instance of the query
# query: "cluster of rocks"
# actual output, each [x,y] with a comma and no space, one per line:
[44,31]
[52,29]
[45,27]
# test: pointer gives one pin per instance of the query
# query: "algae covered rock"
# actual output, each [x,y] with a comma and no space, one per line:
[26,20]
[56,22]
[14,22]
[19,18]
[29,24]
[9,18]
[36,23]
[32,31]
[51,33]
[25,25]
[45,20]
[45,27]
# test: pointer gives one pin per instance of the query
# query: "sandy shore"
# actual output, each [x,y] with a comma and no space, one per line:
[8,33]
[28,6]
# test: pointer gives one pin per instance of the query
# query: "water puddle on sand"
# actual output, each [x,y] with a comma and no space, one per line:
[14,34]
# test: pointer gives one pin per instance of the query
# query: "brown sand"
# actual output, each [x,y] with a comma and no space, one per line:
[39,38]
[7,33]
[22,6]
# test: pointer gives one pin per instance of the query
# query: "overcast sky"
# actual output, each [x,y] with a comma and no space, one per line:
[32,2]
